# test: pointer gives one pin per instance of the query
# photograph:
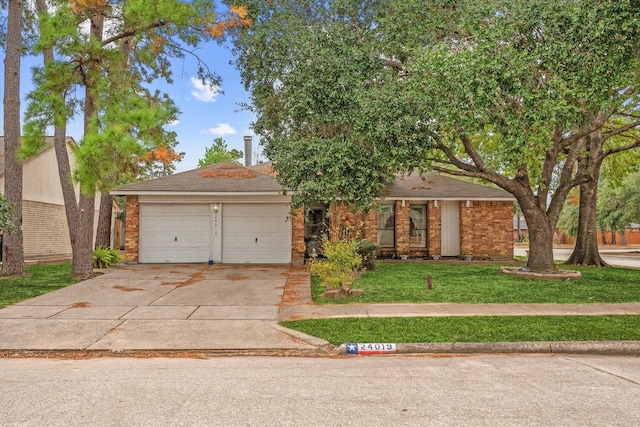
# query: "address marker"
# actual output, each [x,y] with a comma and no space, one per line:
[370,348]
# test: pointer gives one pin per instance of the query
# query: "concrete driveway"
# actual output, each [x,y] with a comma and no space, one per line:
[158,307]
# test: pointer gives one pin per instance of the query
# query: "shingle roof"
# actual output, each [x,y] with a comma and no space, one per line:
[432,186]
[219,178]
[233,178]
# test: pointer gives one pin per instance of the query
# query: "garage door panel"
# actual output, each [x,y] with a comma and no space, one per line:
[268,223]
[174,233]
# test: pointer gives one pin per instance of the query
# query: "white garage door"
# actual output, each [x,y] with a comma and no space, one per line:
[174,233]
[256,233]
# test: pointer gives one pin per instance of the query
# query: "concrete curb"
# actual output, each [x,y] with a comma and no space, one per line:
[619,348]
[309,339]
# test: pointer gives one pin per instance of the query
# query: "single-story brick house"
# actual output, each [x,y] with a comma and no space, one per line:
[234,214]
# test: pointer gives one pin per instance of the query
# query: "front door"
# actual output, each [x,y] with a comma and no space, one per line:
[450,228]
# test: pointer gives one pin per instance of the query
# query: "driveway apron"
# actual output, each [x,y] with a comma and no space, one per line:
[157,307]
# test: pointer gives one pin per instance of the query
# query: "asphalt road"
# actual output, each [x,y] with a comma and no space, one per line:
[615,257]
[267,391]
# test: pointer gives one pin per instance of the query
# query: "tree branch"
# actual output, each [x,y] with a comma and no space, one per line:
[621,129]
[131,33]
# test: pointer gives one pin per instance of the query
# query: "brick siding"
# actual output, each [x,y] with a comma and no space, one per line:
[132,234]
[45,230]
[297,236]
[434,229]
[486,229]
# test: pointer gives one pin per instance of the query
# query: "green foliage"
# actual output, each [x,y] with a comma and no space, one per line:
[368,252]
[218,153]
[348,92]
[39,280]
[104,257]
[6,215]
[105,77]
[337,271]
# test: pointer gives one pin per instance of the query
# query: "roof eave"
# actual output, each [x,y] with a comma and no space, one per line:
[195,193]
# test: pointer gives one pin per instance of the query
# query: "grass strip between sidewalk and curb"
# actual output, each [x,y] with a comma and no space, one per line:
[39,280]
[474,284]
[471,329]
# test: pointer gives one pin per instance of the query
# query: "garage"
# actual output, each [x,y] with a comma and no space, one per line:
[256,233]
[223,213]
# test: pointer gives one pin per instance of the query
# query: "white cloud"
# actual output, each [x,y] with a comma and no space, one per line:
[174,122]
[222,129]
[203,92]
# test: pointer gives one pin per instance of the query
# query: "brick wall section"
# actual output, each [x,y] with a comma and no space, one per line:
[45,230]
[297,236]
[402,227]
[468,224]
[486,229]
[434,229]
[132,233]
[370,229]
[342,218]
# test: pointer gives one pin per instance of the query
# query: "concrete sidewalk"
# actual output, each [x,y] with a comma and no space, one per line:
[446,310]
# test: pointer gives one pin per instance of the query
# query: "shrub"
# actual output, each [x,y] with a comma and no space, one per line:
[338,270]
[104,257]
[368,251]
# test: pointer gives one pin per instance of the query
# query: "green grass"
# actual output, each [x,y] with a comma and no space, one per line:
[456,283]
[39,280]
[471,329]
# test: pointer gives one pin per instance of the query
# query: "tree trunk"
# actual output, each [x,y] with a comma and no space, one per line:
[603,236]
[13,244]
[103,232]
[541,230]
[83,255]
[585,252]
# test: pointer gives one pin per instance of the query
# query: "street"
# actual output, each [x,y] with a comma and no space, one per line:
[629,257]
[390,390]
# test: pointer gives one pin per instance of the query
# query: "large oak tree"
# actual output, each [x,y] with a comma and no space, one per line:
[349,92]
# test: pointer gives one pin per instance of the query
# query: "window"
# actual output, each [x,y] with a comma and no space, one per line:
[315,222]
[387,226]
[418,226]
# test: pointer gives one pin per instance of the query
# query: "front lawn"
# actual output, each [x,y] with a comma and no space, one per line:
[471,329]
[460,283]
[39,280]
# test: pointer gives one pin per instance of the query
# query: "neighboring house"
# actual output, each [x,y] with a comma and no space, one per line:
[520,230]
[44,221]
[233,214]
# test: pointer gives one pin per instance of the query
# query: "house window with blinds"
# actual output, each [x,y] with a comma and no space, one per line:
[418,226]
[387,227]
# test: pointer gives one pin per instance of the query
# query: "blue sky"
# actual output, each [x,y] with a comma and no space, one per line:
[205,115]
